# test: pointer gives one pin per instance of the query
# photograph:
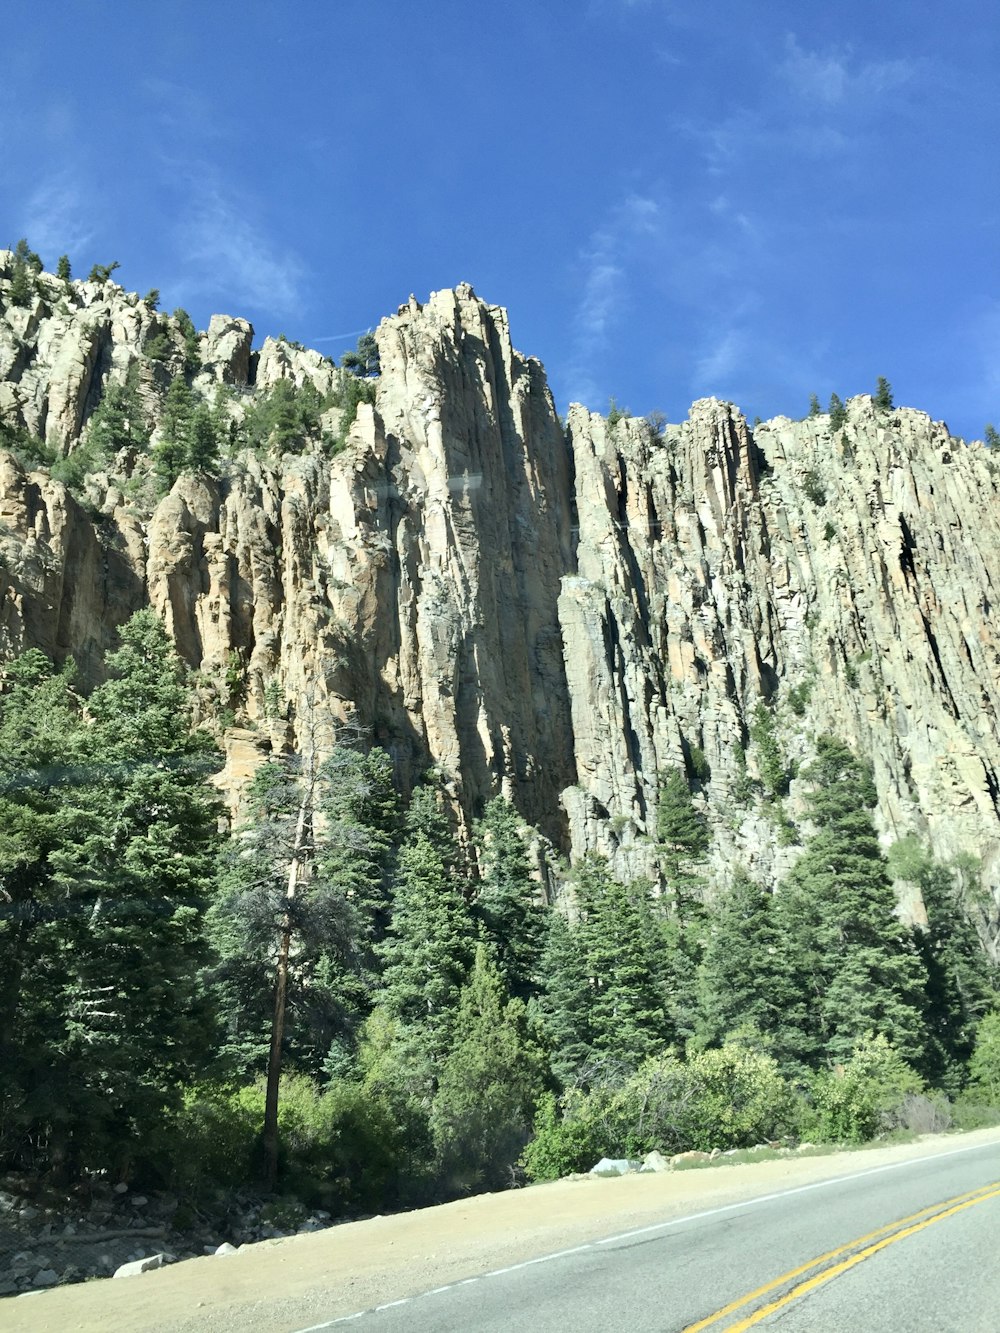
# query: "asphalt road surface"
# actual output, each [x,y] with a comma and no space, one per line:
[912,1246]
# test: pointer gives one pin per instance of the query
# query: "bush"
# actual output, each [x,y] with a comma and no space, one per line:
[730,1097]
[984,1065]
[858,1100]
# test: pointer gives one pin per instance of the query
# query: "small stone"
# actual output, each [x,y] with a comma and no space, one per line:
[137,1266]
[226,1248]
[27,1213]
[654,1161]
[139,1201]
[121,1187]
[45,1277]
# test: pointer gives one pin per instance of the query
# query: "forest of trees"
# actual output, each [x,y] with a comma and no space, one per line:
[444,1030]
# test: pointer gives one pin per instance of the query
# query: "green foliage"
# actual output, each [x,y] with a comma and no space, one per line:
[284,419]
[616,414]
[28,449]
[159,346]
[428,950]
[565,1003]
[984,1066]
[364,360]
[812,484]
[189,436]
[106,1018]
[742,982]
[883,394]
[102,272]
[352,392]
[506,904]
[64,271]
[991,437]
[852,963]
[22,282]
[961,982]
[814,407]
[838,413]
[770,760]
[192,345]
[854,1101]
[152,298]
[727,1098]
[799,696]
[490,1079]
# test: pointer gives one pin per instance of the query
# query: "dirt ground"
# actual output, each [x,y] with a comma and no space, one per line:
[284,1285]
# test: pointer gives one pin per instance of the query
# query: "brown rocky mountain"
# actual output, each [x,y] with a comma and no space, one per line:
[559,612]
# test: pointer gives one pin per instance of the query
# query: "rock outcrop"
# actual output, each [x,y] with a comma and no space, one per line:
[557,613]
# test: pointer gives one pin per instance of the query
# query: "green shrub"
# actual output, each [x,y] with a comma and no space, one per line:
[857,1100]
[984,1065]
[812,484]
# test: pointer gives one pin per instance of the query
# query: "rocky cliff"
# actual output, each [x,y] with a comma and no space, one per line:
[558,612]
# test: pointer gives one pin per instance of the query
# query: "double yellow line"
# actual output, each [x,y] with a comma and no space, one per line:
[870,1244]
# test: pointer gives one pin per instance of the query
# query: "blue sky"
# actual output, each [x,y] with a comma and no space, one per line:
[672,198]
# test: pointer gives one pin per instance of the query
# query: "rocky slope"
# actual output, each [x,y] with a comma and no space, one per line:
[561,614]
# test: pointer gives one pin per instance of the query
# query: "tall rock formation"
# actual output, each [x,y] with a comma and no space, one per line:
[561,614]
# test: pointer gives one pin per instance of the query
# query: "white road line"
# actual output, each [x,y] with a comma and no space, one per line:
[662,1226]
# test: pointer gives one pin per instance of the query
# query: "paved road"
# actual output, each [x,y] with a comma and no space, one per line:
[909,1247]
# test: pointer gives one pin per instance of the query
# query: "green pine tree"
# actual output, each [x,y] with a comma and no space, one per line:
[838,413]
[22,280]
[507,902]
[853,963]
[628,1014]
[483,1108]
[565,1003]
[126,1024]
[172,453]
[63,270]
[883,394]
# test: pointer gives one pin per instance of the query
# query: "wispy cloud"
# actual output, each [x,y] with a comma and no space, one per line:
[226,252]
[605,288]
[58,217]
[836,78]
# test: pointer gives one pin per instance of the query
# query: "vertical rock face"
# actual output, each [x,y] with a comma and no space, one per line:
[560,615]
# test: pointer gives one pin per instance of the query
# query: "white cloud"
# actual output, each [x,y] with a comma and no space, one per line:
[834,78]
[58,218]
[224,252]
[605,288]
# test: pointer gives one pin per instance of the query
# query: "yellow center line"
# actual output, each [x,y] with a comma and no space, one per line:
[962,1200]
[811,1283]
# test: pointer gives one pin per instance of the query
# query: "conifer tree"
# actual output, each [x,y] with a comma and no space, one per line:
[173,451]
[883,394]
[119,951]
[683,838]
[63,270]
[429,946]
[507,902]
[22,284]
[628,1014]
[853,963]
[742,983]
[118,421]
[565,1004]
[838,412]
[483,1107]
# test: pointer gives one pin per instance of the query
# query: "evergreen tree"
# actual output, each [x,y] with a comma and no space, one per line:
[565,1004]
[173,451]
[838,413]
[683,838]
[991,437]
[853,963]
[482,1112]
[507,903]
[22,283]
[628,1014]
[119,948]
[192,343]
[742,983]
[961,981]
[429,945]
[63,270]
[118,421]
[203,443]
[814,407]
[883,394]
[364,360]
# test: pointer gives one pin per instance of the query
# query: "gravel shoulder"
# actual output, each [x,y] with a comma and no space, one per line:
[283,1285]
